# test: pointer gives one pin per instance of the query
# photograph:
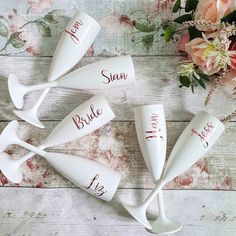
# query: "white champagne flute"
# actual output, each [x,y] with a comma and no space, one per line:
[150,126]
[76,39]
[197,138]
[89,175]
[89,116]
[112,72]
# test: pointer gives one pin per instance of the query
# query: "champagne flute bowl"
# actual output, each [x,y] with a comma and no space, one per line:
[89,175]
[197,138]
[105,74]
[150,126]
[95,111]
[76,39]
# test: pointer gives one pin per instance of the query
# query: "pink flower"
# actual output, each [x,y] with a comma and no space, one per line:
[196,50]
[16,21]
[230,78]
[155,8]
[39,5]
[184,39]
[116,22]
[233,57]
[32,43]
[213,10]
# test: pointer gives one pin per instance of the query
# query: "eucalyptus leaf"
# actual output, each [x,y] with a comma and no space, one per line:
[3,30]
[176,6]
[44,29]
[183,18]
[16,41]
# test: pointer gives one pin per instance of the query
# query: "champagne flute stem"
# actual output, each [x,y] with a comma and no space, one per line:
[32,148]
[40,99]
[153,194]
[42,86]
[161,205]
[29,155]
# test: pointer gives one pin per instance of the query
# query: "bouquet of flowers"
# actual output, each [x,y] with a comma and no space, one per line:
[208,37]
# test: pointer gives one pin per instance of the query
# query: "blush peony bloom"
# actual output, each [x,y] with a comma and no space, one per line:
[213,10]
[184,39]
[211,54]
[196,51]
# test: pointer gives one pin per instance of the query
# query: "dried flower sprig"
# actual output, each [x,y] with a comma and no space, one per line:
[229,117]
[229,29]
[215,85]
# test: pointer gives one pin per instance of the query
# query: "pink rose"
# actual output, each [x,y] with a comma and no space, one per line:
[213,10]
[184,39]
[196,49]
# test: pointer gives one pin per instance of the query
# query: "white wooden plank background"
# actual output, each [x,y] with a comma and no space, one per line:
[64,212]
[203,198]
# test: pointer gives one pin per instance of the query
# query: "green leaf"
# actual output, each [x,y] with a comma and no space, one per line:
[177,6]
[230,18]
[44,29]
[16,41]
[49,18]
[203,76]
[168,33]
[147,41]
[183,18]
[144,27]
[185,81]
[194,33]
[52,16]
[3,30]
[192,88]
[191,5]
[201,83]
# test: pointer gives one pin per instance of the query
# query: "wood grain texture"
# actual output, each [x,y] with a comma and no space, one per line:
[44,203]
[156,83]
[117,34]
[115,145]
[64,212]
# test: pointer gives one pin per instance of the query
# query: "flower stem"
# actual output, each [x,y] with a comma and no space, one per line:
[5,46]
[212,90]
[27,23]
[229,117]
